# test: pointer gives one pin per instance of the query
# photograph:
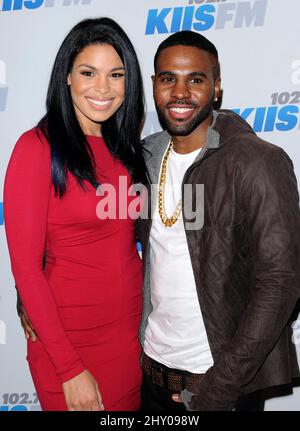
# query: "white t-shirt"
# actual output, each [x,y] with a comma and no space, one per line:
[175,335]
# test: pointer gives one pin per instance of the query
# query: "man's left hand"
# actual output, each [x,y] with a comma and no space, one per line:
[177,398]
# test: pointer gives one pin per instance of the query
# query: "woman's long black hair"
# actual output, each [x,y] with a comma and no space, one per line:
[70,150]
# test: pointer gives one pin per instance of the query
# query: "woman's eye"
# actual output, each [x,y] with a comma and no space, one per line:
[87,73]
[117,75]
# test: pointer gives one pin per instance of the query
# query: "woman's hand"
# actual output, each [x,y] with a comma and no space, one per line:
[82,393]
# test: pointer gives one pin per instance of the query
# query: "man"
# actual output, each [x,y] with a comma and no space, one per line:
[218,294]
[221,276]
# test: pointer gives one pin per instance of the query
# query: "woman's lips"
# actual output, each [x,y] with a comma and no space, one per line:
[99,104]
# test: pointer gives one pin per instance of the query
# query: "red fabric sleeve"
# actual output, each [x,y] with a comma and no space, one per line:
[26,198]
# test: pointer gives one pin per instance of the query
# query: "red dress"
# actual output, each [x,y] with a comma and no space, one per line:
[86,304]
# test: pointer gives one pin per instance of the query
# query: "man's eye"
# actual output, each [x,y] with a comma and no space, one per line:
[167,79]
[87,73]
[196,80]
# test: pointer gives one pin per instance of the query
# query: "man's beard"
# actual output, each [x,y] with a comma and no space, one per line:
[185,128]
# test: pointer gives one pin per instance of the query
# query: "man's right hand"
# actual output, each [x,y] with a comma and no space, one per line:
[27,326]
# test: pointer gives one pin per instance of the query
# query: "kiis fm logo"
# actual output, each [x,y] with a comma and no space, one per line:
[9,5]
[270,118]
[3,88]
[282,114]
[19,402]
[206,16]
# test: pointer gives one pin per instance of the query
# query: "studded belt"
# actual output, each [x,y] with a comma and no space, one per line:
[174,380]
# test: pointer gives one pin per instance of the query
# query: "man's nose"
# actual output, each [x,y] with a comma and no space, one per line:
[180,90]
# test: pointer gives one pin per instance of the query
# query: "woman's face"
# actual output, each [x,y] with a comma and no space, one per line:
[97,85]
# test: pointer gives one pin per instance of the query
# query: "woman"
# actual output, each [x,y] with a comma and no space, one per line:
[85,300]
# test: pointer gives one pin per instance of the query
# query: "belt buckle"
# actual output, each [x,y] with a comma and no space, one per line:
[157,374]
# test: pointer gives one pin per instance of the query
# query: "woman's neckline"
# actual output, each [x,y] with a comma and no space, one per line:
[93,137]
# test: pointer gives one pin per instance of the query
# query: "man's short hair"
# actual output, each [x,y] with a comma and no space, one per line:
[190,38]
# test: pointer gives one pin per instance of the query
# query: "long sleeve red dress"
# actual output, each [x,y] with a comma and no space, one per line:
[85,303]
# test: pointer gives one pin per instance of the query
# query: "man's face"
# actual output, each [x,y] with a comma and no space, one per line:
[184,88]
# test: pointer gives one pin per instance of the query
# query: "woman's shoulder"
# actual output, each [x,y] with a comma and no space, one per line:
[30,160]
[33,143]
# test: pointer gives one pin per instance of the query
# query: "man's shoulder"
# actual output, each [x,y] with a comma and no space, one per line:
[241,137]
[253,146]
[156,138]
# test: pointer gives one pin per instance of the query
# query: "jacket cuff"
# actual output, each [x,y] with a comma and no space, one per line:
[210,397]
[186,397]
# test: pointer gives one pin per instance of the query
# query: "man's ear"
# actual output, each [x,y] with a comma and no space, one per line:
[218,90]
[153,79]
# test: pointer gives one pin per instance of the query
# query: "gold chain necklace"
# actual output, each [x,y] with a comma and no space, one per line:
[168,222]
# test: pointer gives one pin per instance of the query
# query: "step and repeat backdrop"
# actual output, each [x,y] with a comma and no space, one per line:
[259,52]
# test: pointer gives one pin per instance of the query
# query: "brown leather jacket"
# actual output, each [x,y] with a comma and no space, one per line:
[245,258]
